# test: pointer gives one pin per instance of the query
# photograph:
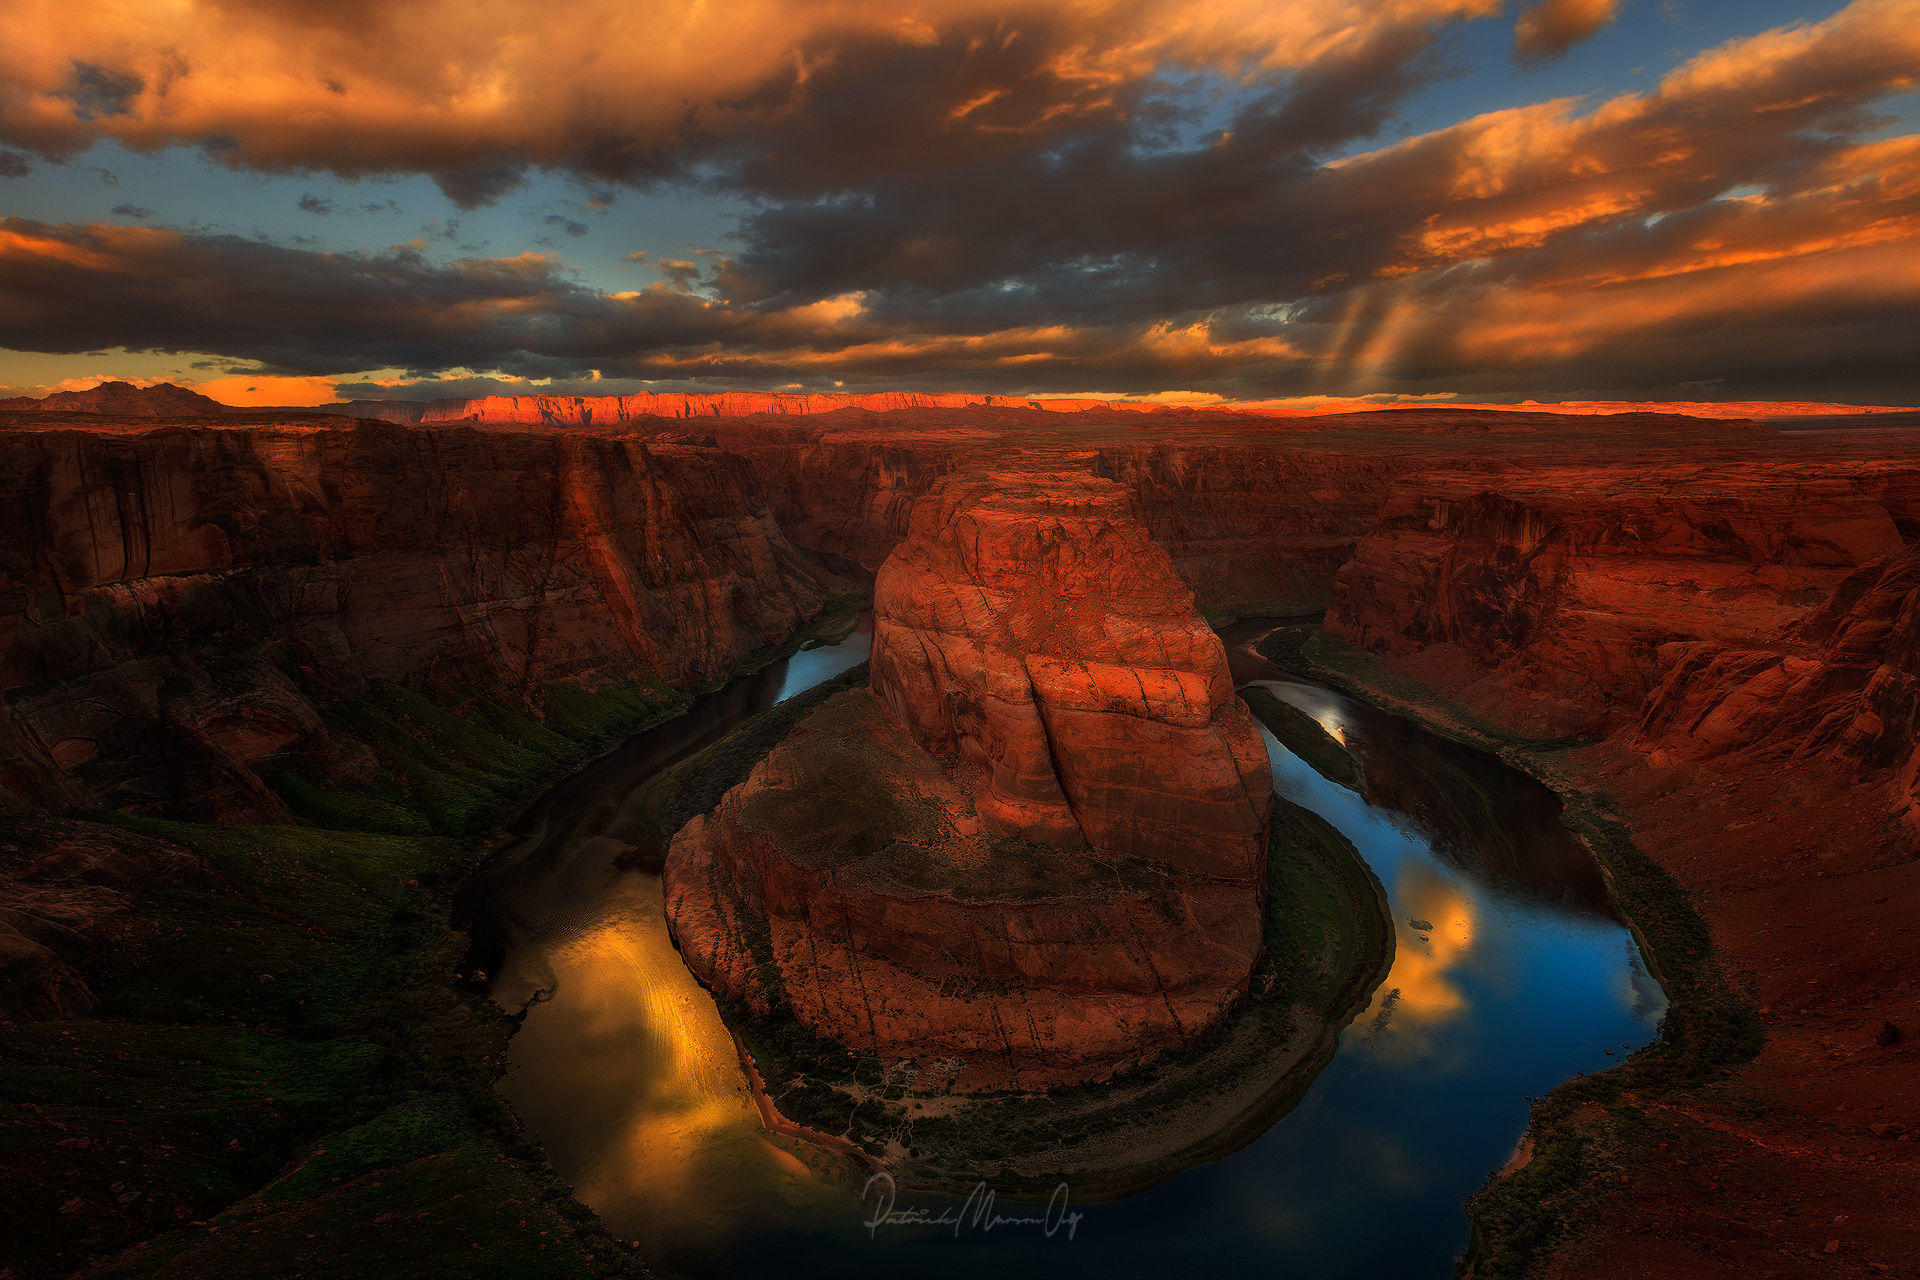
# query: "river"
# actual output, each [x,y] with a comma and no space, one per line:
[1512,974]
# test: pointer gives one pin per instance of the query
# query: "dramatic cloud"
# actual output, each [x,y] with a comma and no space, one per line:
[1552,27]
[797,96]
[1255,216]
[1129,195]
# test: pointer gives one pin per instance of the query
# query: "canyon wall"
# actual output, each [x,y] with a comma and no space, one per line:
[1554,598]
[179,599]
[1035,852]
[1841,684]
[1254,529]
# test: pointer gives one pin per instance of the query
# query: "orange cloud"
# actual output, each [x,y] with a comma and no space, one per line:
[469,89]
[1513,179]
[1731,223]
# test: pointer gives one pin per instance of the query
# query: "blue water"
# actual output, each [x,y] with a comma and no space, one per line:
[1512,975]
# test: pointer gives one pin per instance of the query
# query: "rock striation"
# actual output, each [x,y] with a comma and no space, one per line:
[178,600]
[1034,852]
[1554,598]
[1030,626]
[1843,684]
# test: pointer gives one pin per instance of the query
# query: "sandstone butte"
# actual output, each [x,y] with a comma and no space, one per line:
[1723,614]
[1035,851]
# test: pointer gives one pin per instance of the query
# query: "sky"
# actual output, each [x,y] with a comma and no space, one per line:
[298,201]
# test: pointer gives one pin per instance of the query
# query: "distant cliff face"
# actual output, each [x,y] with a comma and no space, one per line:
[1035,852]
[1254,528]
[583,411]
[122,400]
[1552,597]
[179,598]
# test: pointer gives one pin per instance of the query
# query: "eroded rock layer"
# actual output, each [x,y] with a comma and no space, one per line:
[1556,598]
[580,411]
[177,600]
[1031,626]
[1844,684]
[851,883]
[1035,851]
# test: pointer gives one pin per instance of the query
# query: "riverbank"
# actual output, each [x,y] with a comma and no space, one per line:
[283,1074]
[1571,1165]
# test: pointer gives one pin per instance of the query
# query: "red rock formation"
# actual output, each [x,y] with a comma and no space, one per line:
[582,411]
[1254,529]
[1035,852]
[852,882]
[1842,684]
[198,587]
[1031,625]
[1551,598]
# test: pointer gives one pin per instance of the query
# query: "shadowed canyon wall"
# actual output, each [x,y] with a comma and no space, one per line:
[180,598]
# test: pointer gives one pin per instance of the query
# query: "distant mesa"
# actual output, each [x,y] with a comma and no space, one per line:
[123,399]
[585,411]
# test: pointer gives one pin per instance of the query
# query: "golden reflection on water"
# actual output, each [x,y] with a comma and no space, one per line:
[632,1083]
[1419,995]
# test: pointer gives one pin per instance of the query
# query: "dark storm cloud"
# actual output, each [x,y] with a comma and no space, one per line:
[1550,28]
[84,288]
[1101,231]
[96,91]
[1098,226]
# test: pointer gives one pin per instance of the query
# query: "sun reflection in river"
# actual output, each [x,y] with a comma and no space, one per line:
[1335,729]
[1419,995]
[637,1081]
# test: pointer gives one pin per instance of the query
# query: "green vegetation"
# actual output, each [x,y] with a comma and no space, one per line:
[1301,734]
[1524,1216]
[694,786]
[457,766]
[282,1076]
[282,1082]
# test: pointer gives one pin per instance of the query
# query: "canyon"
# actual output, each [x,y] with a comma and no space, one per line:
[1715,625]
